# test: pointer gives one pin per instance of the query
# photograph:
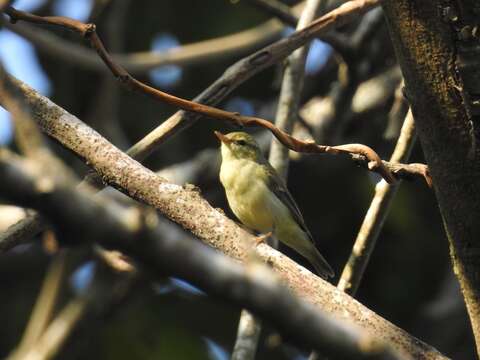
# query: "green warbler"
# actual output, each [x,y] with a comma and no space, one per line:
[260,200]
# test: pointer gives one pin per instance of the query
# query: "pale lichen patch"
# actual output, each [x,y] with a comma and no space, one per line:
[168,187]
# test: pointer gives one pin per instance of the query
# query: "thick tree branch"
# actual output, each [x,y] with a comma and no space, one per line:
[252,286]
[428,46]
[185,207]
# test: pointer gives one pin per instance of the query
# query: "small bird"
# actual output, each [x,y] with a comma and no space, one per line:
[260,200]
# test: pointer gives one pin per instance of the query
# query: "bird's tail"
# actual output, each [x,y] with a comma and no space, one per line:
[322,267]
[302,242]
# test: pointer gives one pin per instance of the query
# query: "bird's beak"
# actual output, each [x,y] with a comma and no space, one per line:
[222,137]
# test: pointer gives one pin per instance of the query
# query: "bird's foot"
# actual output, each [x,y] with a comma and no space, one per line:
[262,238]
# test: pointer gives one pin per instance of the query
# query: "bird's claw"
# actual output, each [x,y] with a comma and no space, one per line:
[262,238]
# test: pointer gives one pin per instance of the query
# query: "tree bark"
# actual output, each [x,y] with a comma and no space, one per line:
[431,39]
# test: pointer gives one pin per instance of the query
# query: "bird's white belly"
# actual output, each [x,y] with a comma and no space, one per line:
[249,198]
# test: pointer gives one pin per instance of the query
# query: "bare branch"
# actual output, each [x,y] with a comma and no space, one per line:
[252,286]
[233,77]
[377,213]
[44,306]
[88,31]
[56,333]
[336,40]
[138,63]
[292,84]
[29,139]
[21,232]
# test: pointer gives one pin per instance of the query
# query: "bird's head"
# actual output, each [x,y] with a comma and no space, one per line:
[239,145]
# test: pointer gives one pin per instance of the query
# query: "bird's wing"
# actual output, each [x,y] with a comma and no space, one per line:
[277,185]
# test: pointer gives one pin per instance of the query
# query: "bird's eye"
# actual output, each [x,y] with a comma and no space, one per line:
[241,142]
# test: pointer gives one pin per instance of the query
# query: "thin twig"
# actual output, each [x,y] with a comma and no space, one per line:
[333,18]
[298,38]
[234,76]
[28,137]
[104,112]
[139,63]
[338,41]
[56,334]
[397,114]
[354,66]
[45,304]
[245,69]
[374,219]
[292,84]
[30,140]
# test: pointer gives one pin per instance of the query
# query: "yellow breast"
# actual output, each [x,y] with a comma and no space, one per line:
[247,194]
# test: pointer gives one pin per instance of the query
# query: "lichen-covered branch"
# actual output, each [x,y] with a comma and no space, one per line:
[252,286]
